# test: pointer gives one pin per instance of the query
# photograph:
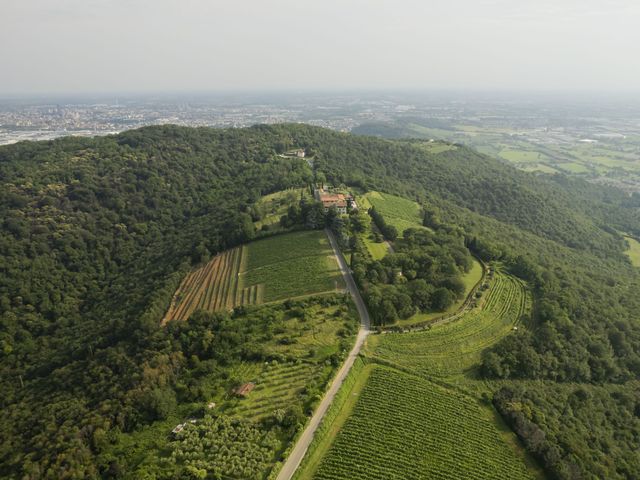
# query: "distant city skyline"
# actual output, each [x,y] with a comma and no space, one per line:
[143,46]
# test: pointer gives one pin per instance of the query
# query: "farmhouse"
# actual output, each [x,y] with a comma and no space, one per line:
[178,428]
[337,200]
[244,389]
[298,152]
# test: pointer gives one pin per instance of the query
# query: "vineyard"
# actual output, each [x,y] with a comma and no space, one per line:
[274,268]
[291,265]
[212,287]
[397,211]
[304,345]
[333,420]
[405,427]
[456,347]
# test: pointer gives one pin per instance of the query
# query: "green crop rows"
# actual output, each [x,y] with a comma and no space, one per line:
[418,415]
[291,265]
[405,427]
[456,347]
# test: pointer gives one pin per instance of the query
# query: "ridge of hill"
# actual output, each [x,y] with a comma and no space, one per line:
[97,233]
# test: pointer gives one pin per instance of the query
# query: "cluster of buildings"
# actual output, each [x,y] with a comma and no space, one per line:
[342,202]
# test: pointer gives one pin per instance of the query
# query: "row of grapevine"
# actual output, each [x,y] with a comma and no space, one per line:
[251,295]
[212,287]
[456,347]
[404,427]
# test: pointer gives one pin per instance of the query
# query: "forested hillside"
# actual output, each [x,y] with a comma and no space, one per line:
[97,234]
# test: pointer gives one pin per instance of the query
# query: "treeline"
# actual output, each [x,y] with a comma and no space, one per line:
[308,214]
[549,420]
[389,232]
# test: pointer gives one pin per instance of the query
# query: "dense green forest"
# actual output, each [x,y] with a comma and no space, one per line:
[97,233]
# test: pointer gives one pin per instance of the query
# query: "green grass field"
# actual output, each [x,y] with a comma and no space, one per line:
[377,249]
[397,211]
[291,265]
[456,347]
[522,156]
[539,167]
[573,167]
[405,427]
[633,252]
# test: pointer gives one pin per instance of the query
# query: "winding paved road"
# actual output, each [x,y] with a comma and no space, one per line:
[301,446]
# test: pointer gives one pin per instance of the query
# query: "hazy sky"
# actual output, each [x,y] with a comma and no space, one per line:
[52,46]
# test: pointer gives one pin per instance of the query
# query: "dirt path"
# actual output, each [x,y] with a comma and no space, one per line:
[301,446]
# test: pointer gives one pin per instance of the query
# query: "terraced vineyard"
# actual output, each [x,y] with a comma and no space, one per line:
[211,287]
[456,347]
[405,427]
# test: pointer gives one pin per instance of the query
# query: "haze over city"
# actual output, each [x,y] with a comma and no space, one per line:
[79,46]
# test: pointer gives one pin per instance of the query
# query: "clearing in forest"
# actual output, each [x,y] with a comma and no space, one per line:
[273,206]
[274,268]
[633,252]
